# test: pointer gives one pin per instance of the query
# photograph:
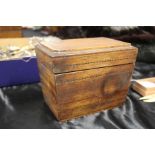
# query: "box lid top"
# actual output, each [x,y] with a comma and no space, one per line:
[82,46]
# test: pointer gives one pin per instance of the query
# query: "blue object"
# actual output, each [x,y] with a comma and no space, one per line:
[17,72]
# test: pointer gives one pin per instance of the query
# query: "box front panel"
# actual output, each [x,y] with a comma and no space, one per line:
[101,82]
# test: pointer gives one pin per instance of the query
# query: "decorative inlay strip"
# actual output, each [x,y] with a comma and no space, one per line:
[96,62]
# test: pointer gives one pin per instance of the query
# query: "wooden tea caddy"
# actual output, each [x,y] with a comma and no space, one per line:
[84,76]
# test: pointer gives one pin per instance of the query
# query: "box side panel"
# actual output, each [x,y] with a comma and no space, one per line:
[50,100]
[44,63]
[47,81]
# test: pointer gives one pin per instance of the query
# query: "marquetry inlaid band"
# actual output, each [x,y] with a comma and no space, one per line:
[96,62]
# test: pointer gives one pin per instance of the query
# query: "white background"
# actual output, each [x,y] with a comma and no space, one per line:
[77,13]
[77,142]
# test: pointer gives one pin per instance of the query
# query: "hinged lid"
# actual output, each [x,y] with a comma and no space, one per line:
[84,44]
[86,53]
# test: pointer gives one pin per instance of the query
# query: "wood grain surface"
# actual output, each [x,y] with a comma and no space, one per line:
[77,84]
